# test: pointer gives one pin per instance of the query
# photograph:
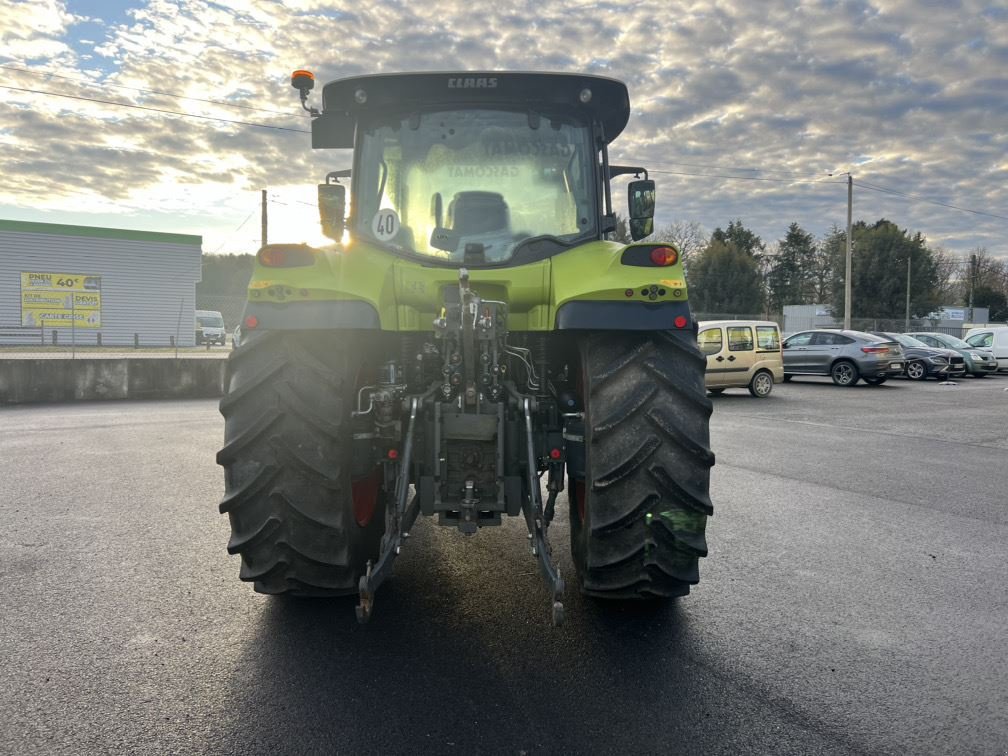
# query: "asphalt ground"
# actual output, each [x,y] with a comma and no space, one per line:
[855,600]
[110,353]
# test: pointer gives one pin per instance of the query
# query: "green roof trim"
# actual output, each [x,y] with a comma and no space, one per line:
[60,229]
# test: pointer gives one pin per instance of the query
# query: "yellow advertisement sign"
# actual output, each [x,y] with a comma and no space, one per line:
[60,300]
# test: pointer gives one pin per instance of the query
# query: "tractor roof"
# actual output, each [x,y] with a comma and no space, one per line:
[607,99]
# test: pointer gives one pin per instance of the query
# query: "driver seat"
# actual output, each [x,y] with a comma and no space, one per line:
[473,213]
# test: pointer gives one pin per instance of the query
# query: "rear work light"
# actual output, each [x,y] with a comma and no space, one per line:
[664,256]
[875,350]
[286,256]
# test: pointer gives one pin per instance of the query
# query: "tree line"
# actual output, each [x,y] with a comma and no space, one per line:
[733,271]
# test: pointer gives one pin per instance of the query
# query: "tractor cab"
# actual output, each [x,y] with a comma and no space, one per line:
[484,169]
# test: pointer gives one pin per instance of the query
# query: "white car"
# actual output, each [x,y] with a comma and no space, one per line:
[993,339]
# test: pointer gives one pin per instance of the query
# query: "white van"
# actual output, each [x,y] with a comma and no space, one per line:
[741,354]
[210,327]
[993,339]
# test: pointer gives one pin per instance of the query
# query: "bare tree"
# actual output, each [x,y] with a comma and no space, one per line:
[947,273]
[688,237]
[986,283]
[828,253]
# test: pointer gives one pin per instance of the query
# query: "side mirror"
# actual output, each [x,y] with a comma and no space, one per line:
[639,228]
[332,209]
[641,200]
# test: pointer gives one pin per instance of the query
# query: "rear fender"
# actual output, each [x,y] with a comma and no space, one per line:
[330,288]
[609,286]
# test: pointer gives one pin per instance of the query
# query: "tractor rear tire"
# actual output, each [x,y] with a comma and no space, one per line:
[639,515]
[296,516]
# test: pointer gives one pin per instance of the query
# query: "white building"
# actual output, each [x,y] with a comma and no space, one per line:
[89,284]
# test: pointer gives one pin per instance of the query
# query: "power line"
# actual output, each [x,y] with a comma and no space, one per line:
[862,184]
[736,168]
[885,190]
[231,235]
[273,198]
[95,85]
[750,178]
[156,110]
[710,165]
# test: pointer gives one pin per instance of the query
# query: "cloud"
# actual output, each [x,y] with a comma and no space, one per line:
[795,92]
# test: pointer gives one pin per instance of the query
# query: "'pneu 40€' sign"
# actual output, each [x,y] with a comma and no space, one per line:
[60,300]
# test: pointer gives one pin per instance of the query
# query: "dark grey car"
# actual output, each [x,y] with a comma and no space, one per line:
[923,361]
[845,356]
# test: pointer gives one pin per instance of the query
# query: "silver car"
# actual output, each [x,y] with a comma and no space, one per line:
[845,356]
[979,361]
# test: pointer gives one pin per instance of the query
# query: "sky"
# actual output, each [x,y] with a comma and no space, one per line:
[739,109]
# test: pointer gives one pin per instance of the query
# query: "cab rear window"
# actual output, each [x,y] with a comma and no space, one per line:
[767,338]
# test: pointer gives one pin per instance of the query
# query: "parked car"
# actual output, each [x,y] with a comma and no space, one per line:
[210,327]
[923,361]
[845,356]
[993,338]
[742,354]
[979,362]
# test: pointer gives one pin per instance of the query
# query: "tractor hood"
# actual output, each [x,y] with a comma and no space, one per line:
[344,101]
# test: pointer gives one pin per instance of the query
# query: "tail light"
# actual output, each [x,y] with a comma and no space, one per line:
[680,321]
[875,350]
[286,256]
[650,255]
[664,256]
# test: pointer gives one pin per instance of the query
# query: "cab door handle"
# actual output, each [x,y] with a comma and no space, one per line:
[719,358]
[732,358]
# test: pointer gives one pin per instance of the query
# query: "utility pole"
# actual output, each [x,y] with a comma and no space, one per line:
[973,263]
[847,270]
[264,236]
[906,326]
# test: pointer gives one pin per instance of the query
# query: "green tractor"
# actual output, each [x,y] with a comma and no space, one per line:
[471,345]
